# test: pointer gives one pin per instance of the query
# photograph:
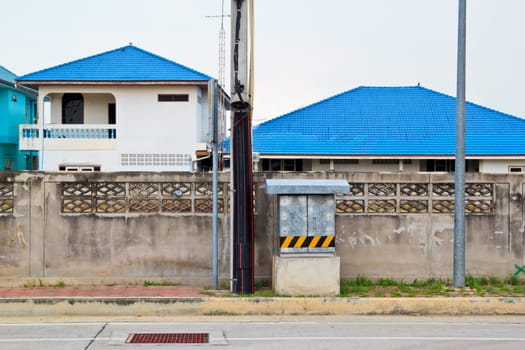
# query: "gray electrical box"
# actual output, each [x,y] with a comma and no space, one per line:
[307,214]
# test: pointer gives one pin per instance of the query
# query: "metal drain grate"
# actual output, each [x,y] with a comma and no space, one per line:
[168,338]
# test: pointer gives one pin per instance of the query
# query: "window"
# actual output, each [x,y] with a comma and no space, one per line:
[449,165]
[72,109]
[8,164]
[439,165]
[282,165]
[79,167]
[385,161]
[346,161]
[288,164]
[516,168]
[112,113]
[173,98]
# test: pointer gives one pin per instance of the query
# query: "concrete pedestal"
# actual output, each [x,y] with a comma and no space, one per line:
[306,275]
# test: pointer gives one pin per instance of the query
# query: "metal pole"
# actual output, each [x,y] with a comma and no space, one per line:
[241,145]
[42,130]
[459,197]
[213,90]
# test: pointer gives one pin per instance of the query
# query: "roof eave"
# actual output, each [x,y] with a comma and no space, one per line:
[113,82]
[393,156]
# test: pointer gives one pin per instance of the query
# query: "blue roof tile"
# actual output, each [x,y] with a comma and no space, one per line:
[7,75]
[397,121]
[128,63]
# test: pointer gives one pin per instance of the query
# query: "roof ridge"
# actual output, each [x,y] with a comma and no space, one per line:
[474,104]
[167,60]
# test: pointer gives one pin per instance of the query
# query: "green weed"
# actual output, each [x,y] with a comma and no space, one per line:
[386,282]
[158,283]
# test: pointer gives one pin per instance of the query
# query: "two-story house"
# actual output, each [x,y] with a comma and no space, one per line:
[17,106]
[122,110]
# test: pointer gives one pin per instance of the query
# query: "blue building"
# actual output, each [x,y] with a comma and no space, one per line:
[17,106]
[391,129]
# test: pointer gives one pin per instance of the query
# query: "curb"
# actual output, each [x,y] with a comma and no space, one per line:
[210,306]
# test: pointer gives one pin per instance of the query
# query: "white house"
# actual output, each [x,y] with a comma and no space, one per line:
[121,110]
[389,129]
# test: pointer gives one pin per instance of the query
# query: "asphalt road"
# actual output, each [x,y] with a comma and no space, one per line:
[303,333]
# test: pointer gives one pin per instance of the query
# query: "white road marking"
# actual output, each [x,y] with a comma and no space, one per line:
[377,338]
[28,340]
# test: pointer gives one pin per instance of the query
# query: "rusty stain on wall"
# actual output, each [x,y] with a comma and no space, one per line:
[13,237]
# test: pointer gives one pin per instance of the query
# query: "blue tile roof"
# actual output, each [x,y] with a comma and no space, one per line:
[397,121]
[125,64]
[7,75]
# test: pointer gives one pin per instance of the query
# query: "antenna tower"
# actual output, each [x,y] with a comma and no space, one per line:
[222,46]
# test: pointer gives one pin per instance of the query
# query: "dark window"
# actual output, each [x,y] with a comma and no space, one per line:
[8,164]
[72,109]
[35,115]
[282,165]
[79,168]
[112,113]
[346,161]
[515,169]
[385,161]
[440,165]
[275,164]
[174,98]
[289,164]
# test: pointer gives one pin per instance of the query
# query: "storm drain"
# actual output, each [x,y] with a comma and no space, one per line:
[168,338]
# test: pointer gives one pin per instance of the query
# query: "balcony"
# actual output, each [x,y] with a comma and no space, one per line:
[68,137]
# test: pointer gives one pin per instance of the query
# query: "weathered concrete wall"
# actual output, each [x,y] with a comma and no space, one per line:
[414,244]
[109,243]
[111,227]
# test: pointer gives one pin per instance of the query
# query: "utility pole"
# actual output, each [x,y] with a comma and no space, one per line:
[241,152]
[459,180]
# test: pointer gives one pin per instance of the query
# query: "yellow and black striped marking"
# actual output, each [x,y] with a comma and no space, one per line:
[307,242]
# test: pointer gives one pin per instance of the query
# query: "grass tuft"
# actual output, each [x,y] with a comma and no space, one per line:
[162,283]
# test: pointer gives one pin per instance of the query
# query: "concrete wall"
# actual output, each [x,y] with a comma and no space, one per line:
[101,227]
[406,245]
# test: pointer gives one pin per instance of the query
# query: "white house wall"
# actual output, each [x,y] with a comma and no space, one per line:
[96,108]
[366,165]
[499,165]
[203,126]
[145,127]
[56,108]
[52,159]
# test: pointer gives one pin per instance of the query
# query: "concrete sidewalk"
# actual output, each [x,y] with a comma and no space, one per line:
[115,301]
[117,291]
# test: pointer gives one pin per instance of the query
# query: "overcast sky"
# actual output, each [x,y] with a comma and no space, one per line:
[306,50]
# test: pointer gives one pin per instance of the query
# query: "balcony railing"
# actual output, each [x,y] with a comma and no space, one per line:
[68,136]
